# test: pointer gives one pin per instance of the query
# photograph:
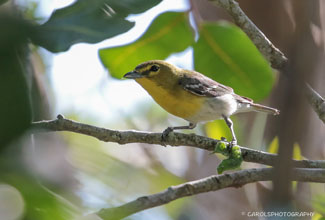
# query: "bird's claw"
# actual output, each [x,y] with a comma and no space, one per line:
[231,144]
[166,133]
[223,139]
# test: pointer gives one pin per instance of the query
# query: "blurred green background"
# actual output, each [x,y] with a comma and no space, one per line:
[69,57]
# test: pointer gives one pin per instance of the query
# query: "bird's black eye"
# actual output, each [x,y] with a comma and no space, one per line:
[154,68]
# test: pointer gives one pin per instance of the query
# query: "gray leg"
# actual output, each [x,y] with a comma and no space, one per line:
[230,125]
[171,129]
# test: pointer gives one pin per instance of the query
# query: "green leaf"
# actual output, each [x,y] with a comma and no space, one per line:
[87,21]
[15,77]
[169,33]
[233,161]
[317,216]
[297,152]
[225,54]
[274,146]
[40,203]
[221,148]
[15,113]
[297,156]
[318,203]
[217,129]
[3,1]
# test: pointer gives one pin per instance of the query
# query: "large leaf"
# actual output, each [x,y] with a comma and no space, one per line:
[225,54]
[15,110]
[218,129]
[169,33]
[274,146]
[318,202]
[40,203]
[3,1]
[88,21]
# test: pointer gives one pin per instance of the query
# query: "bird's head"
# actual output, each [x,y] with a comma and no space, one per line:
[152,69]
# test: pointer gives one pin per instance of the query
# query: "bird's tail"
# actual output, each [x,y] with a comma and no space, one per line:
[263,108]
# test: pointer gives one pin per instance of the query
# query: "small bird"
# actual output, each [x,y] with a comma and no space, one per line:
[191,95]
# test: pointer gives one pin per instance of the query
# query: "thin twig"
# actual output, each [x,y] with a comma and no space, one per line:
[263,44]
[173,139]
[276,58]
[316,101]
[212,183]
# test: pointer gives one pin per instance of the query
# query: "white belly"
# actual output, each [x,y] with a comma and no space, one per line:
[215,108]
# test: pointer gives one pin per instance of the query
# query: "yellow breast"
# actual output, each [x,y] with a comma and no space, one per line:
[176,101]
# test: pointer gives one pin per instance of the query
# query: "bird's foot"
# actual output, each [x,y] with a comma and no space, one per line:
[166,133]
[232,152]
[231,144]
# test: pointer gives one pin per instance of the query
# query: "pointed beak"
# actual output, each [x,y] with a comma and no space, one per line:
[133,75]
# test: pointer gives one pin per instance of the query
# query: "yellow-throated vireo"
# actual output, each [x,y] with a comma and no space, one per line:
[191,95]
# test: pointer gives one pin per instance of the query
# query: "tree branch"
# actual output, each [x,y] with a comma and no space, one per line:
[263,44]
[212,183]
[316,101]
[275,57]
[216,182]
[173,139]
[279,61]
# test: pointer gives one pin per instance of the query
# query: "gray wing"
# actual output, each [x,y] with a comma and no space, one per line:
[201,85]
